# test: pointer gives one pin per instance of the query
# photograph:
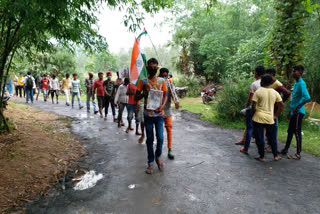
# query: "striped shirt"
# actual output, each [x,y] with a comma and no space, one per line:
[75,86]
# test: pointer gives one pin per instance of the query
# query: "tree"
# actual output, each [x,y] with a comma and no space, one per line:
[27,23]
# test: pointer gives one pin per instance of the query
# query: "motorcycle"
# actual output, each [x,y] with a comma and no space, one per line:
[208,95]
[181,91]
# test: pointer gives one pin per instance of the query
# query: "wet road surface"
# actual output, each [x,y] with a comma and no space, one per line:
[208,175]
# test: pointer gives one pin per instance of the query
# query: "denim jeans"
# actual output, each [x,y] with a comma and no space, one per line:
[157,122]
[29,94]
[249,129]
[45,93]
[78,96]
[132,110]
[89,97]
[259,136]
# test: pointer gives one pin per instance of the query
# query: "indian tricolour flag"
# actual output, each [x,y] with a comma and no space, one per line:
[138,69]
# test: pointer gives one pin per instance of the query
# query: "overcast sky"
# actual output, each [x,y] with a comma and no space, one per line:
[111,26]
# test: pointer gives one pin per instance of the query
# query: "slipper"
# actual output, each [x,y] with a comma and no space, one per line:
[131,129]
[244,151]
[149,170]
[239,143]
[276,158]
[283,152]
[259,159]
[268,149]
[127,131]
[141,139]
[296,157]
[160,165]
[138,133]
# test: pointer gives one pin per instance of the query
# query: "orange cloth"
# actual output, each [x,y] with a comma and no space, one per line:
[168,126]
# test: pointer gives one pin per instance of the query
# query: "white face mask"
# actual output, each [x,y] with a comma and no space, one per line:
[109,77]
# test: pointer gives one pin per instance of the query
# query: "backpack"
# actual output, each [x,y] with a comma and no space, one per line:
[29,84]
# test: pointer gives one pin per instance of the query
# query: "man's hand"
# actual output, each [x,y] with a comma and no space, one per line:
[148,87]
[177,105]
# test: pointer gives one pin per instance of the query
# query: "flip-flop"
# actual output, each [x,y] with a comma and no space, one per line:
[160,165]
[149,170]
[259,159]
[296,157]
[244,151]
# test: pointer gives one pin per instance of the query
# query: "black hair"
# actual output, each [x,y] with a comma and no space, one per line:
[259,70]
[299,68]
[67,75]
[126,80]
[152,60]
[75,74]
[29,73]
[100,73]
[266,80]
[164,70]
[271,71]
[53,76]
[170,75]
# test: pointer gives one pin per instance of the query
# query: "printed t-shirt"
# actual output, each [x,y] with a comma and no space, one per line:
[159,84]
[99,86]
[265,99]
[45,84]
[109,86]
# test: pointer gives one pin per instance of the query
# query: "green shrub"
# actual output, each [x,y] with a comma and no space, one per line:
[232,98]
[192,82]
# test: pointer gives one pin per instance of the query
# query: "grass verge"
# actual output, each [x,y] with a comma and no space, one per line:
[310,130]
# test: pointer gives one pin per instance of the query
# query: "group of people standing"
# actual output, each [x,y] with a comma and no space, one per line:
[264,105]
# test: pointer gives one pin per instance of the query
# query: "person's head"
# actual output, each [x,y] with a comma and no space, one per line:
[90,75]
[126,81]
[45,76]
[29,73]
[266,80]
[100,76]
[164,73]
[152,67]
[271,71]
[74,76]
[53,76]
[170,76]
[297,71]
[259,71]
[67,75]
[109,75]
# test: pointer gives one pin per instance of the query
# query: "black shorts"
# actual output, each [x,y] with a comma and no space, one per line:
[100,101]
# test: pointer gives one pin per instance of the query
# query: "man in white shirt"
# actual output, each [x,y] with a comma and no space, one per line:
[122,100]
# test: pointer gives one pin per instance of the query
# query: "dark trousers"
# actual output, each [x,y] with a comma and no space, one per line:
[19,90]
[294,128]
[157,122]
[122,106]
[258,130]
[54,92]
[249,129]
[109,100]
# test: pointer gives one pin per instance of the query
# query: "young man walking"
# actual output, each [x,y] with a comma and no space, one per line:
[164,72]
[66,85]
[89,84]
[263,102]
[109,92]
[121,100]
[54,88]
[153,118]
[300,97]
[258,72]
[39,85]
[132,105]
[29,84]
[75,90]
[98,86]
[45,87]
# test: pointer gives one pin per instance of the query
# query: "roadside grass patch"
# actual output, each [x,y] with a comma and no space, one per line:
[310,130]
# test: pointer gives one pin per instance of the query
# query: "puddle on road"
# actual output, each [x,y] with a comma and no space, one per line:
[88,180]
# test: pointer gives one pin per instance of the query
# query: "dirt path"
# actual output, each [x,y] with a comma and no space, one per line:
[34,155]
[209,175]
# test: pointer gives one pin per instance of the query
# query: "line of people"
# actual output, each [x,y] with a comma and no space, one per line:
[264,105]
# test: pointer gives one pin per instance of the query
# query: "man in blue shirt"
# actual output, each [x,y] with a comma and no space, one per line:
[300,96]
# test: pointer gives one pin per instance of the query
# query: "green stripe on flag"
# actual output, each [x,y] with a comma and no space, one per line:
[143,74]
[141,34]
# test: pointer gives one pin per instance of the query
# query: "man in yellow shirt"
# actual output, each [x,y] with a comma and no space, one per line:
[263,102]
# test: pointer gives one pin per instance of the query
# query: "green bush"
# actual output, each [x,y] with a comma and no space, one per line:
[192,82]
[232,98]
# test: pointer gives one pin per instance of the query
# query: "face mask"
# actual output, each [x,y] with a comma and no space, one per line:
[152,71]
[109,77]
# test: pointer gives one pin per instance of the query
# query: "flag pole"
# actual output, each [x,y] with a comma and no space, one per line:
[154,49]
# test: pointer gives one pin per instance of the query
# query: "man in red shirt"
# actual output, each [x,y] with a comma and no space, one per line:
[45,87]
[98,84]
[132,105]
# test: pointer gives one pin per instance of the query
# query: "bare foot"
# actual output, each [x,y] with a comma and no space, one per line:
[131,129]
[138,133]
[105,118]
[276,158]
[101,116]
[127,130]
[141,139]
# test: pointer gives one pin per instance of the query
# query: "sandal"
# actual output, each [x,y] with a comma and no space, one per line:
[149,170]
[296,157]
[259,159]
[243,150]
[160,165]
[283,152]
[276,158]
